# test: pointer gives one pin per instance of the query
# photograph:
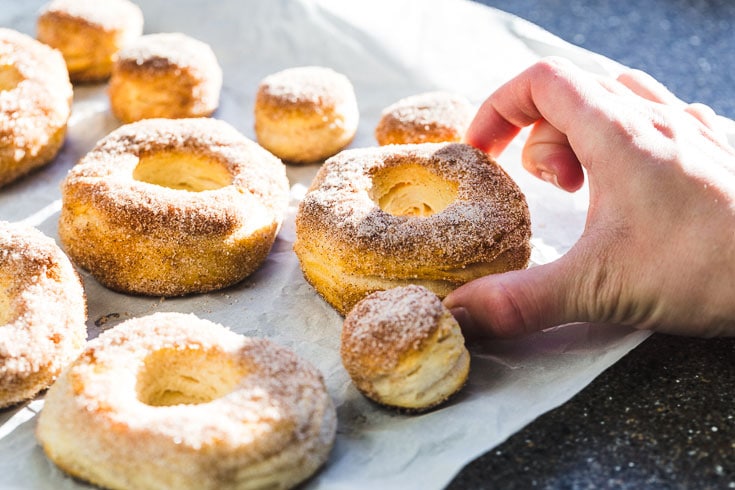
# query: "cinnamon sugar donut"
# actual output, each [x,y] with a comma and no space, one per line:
[174,401]
[404,349]
[436,214]
[169,207]
[42,312]
[89,33]
[305,114]
[431,117]
[167,75]
[35,104]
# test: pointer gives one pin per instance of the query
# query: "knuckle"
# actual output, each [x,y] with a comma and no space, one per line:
[503,312]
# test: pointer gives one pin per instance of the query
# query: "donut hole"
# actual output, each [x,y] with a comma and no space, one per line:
[182,171]
[10,77]
[185,376]
[412,190]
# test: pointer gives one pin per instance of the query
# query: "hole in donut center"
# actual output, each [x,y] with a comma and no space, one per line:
[5,303]
[412,190]
[186,376]
[10,77]
[182,171]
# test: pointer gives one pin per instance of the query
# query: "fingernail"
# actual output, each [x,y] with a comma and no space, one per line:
[464,319]
[550,178]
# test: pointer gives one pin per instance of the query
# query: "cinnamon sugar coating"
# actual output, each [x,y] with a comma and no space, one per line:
[386,325]
[431,117]
[35,104]
[173,401]
[89,33]
[403,348]
[42,312]
[165,75]
[305,114]
[172,207]
[349,246]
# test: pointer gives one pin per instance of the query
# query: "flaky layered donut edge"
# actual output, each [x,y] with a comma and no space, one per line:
[140,236]
[403,349]
[349,247]
[217,410]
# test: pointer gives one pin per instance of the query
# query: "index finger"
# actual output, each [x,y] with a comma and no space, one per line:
[553,89]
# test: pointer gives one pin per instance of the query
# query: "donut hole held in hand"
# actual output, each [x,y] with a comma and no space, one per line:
[182,171]
[412,190]
[10,77]
[187,376]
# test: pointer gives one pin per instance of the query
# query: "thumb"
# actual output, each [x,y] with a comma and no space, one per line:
[517,303]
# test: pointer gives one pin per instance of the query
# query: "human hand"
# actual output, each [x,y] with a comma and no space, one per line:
[658,248]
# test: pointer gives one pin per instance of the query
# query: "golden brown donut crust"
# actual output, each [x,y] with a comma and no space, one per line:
[35,104]
[173,401]
[305,114]
[89,33]
[402,348]
[348,246]
[166,75]
[42,312]
[431,117]
[173,206]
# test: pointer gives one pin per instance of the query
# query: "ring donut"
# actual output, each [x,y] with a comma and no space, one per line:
[42,312]
[35,104]
[174,401]
[171,207]
[169,75]
[89,33]
[436,214]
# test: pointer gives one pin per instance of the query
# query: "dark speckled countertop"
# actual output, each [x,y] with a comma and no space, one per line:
[664,415]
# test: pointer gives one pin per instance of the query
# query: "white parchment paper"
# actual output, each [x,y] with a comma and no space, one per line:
[389,49]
